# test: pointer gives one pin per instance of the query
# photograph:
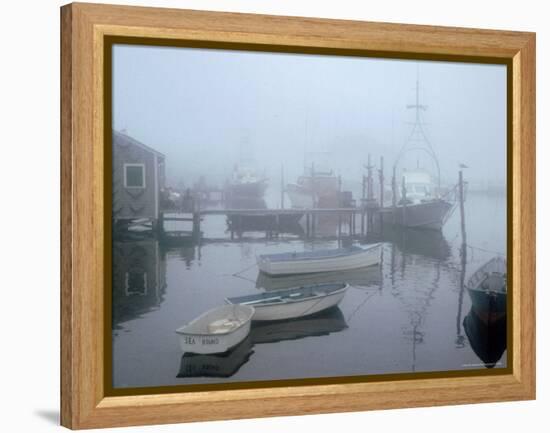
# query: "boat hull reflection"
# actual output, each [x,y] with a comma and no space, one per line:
[360,277]
[426,243]
[227,364]
[323,323]
[487,338]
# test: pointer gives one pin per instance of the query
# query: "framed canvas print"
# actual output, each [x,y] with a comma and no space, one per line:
[311,215]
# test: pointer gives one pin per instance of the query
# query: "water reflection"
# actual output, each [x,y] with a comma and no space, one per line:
[216,365]
[414,320]
[323,323]
[139,279]
[487,337]
[417,290]
[427,243]
[229,363]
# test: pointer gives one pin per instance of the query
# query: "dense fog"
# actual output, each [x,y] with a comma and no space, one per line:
[209,109]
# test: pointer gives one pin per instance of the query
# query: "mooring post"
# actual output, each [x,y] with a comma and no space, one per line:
[394,194]
[160,225]
[404,200]
[370,194]
[381,181]
[461,199]
[463,259]
[196,218]
[369,179]
[282,187]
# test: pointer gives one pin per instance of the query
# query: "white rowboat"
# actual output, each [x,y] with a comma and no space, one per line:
[339,259]
[217,330]
[293,303]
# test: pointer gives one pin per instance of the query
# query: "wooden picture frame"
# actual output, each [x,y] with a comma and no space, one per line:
[84,259]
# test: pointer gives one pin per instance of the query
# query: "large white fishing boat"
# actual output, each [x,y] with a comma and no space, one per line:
[417,198]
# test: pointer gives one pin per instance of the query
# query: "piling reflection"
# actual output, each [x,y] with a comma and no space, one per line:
[415,291]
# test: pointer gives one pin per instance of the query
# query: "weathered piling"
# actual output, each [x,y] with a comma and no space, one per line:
[159,227]
[463,259]
[394,194]
[282,187]
[196,219]
[404,201]
[381,181]
[461,204]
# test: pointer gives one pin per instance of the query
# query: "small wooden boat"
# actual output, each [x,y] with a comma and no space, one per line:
[217,330]
[338,259]
[487,289]
[293,303]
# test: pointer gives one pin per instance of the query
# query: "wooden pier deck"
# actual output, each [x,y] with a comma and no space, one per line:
[275,218]
[275,212]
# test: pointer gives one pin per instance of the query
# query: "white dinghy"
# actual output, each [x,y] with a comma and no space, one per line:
[217,330]
[294,302]
[338,259]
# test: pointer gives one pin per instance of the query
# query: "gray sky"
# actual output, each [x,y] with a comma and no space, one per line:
[202,107]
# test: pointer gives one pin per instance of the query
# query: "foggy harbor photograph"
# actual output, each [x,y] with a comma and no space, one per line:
[283,216]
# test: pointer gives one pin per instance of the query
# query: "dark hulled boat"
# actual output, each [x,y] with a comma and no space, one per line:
[488,291]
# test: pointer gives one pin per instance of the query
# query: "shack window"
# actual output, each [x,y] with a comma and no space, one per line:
[134,175]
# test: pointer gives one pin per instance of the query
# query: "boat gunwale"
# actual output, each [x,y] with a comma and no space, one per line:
[288,300]
[470,285]
[220,334]
[432,201]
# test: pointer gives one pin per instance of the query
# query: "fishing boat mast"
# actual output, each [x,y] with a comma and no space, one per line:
[418,136]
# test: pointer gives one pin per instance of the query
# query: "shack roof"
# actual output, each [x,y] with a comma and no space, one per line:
[123,139]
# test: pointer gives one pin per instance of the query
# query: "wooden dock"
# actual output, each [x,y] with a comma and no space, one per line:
[275,219]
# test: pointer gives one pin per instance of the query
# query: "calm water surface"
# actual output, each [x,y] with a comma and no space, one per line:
[408,315]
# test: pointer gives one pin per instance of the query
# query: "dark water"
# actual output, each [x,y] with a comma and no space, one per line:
[408,315]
